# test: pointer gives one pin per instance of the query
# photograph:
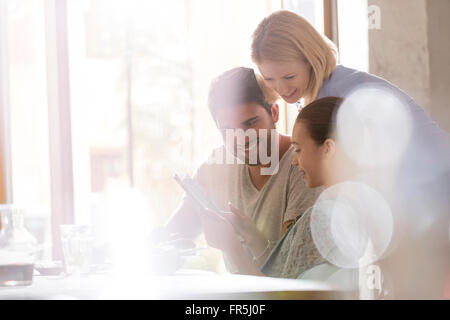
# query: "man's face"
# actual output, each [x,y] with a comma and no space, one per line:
[250,118]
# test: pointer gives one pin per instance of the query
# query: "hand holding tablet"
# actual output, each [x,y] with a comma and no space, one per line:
[196,192]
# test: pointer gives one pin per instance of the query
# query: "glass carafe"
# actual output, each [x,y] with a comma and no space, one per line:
[17,248]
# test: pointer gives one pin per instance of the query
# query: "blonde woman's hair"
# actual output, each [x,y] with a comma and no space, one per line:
[270,95]
[285,36]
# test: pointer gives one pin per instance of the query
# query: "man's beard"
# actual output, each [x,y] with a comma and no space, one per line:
[259,145]
[263,147]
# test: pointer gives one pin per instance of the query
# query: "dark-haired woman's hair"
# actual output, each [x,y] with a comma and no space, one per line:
[238,86]
[320,118]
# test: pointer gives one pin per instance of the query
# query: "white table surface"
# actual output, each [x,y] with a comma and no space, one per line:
[185,284]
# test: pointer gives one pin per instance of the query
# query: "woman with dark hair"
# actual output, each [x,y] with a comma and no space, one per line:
[321,162]
[301,65]
[347,237]
[405,153]
[319,159]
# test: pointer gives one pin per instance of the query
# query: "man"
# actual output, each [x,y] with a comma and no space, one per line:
[264,192]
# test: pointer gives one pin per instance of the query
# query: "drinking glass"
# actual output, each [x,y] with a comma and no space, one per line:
[77,242]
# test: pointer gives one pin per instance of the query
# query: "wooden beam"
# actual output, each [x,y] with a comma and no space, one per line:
[5,118]
[327,20]
[330,20]
[2,169]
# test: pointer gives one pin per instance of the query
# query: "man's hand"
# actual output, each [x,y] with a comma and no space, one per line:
[219,233]
[243,225]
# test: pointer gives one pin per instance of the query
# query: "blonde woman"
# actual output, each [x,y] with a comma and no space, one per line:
[294,58]
[300,64]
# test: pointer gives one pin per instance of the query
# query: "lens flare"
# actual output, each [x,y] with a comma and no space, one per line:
[374,126]
[351,225]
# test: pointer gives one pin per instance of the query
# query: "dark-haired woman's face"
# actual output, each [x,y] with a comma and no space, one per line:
[309,157]
[288,79]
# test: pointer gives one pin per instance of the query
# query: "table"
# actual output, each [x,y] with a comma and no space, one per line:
[185,285]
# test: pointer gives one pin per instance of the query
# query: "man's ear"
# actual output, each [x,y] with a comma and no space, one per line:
[275,113]
[329,147]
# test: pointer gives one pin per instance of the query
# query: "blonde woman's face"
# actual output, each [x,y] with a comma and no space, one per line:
[288,79]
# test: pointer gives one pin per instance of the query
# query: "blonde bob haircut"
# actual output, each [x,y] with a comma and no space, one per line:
[284,36]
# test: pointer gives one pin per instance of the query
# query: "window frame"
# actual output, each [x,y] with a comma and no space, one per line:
[60,141]
[60,129]
[5,122]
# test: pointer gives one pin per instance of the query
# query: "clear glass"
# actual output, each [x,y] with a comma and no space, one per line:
[17,248]
[77,243]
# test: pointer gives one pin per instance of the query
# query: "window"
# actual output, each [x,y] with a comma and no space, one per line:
[348,28]
[136,76]
[353,34]
[314,12]
[139,76]
[29,115]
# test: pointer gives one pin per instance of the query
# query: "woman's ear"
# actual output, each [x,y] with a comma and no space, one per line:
[329,147]
[275,113]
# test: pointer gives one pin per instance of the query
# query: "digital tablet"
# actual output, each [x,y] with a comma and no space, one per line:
[196,192]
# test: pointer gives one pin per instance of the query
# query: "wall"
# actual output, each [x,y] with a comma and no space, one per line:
[439,50]
[410,50]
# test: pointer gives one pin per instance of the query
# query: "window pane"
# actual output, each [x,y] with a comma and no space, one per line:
[140,73]
[310,9]
[29,115]
[353,34]
[313,11]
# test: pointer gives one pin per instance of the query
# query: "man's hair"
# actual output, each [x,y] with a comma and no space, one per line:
[239,86]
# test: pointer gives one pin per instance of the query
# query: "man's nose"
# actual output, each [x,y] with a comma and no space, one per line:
[241,141]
